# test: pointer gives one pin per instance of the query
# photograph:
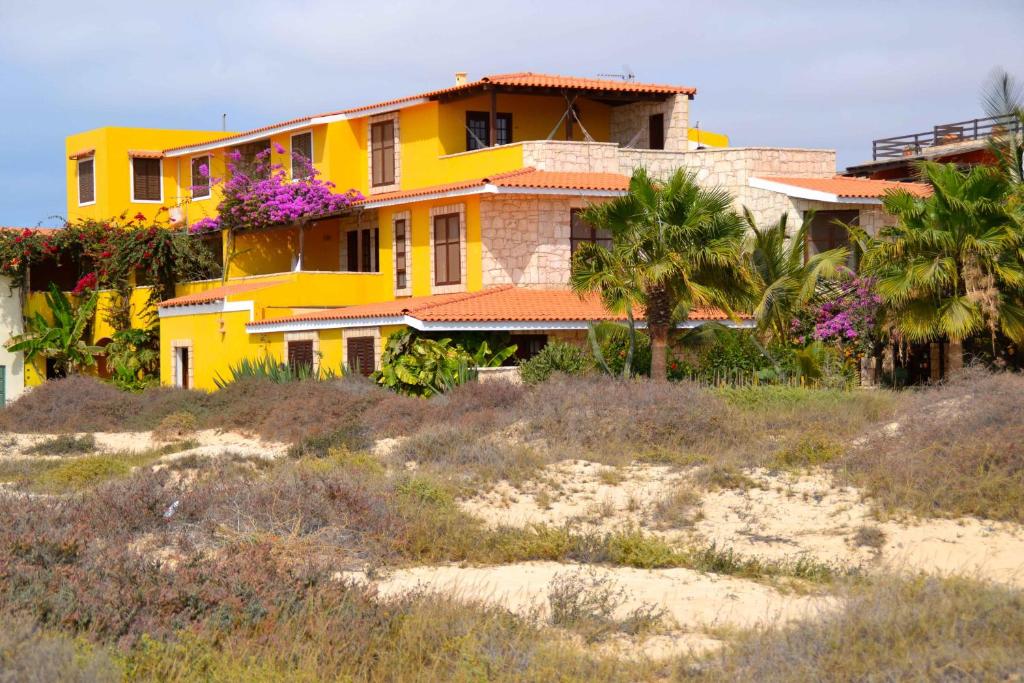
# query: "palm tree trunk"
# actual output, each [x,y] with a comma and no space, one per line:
[954,356]
[659,350]
[659,319]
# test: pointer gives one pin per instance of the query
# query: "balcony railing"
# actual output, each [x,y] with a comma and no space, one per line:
[943,134]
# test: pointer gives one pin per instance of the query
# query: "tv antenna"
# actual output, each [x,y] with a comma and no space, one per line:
[626,75]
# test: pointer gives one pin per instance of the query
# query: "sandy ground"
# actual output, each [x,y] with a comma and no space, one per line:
[784,516]
[698,606]
[211,442]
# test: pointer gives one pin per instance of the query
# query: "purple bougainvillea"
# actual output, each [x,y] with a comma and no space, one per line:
[848,320]
[259,194]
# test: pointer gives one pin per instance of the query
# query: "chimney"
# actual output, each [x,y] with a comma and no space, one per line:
[461,77]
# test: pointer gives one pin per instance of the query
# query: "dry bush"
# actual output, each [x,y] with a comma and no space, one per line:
[74,404]
[957,449]
[921,629]
[616,419]
[588,603]
[29,655]
[176,426]
[678,509]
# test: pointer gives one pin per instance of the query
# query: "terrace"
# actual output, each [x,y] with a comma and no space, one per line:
[942,135]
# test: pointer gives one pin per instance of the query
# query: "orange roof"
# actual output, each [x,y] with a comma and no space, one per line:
[82,153]
[505,304]
[859,188]
[217,293]
[145,154]
[523,178]
[520,80]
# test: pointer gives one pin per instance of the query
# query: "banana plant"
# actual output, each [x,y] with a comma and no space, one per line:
[63,340]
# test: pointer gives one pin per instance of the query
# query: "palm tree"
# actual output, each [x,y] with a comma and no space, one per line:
[1004,100]
[953,264]
[675,246]
[64,339]
[783,281]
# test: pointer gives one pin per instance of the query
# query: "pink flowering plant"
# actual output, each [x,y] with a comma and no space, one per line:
[847,320]
[259,194]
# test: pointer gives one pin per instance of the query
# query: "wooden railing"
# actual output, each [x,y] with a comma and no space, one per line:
[943,134]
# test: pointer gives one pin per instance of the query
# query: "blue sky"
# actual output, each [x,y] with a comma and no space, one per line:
[812,74]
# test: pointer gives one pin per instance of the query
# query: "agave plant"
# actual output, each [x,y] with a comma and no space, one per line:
[63,340]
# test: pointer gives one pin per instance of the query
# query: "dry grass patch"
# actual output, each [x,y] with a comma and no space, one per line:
[954,450]
[922,629]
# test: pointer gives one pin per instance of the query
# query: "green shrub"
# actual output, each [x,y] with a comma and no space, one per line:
[65,444]
[556,356]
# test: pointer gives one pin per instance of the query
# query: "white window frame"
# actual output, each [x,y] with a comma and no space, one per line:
[192,180]
[78,181]
[131,182]
[291,152]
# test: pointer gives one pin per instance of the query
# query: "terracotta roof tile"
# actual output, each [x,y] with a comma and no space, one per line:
[496,304]
[524,79]
[145,154]
[217,293]
[862,188]
[523,178]
[82,153]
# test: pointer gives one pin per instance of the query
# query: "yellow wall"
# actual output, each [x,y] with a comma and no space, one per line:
[113,169]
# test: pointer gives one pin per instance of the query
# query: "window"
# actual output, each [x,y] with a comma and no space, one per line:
[361,356]
[581,231]
[401,266]
[86,181]
[361,250]
[252,154]
[146,185]
[656,131]
[447,250]
[529,345]
[200,177]
[825,234]
[300,355]
[302,156]
[478,129]
[382,150]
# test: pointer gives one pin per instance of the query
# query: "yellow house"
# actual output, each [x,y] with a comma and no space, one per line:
[473,190]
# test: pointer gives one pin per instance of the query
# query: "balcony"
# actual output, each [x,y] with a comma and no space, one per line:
[941,135]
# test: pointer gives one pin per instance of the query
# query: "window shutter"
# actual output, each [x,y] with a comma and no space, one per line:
[382,152]
[302,155]
[86,181]
[400,265]
[361,357]
[146,179]
[447,250]
[200,183]
[352,250]
[300,353]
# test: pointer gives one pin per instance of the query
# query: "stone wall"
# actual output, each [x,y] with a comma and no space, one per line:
[629,123]
[525,239]
[566,155]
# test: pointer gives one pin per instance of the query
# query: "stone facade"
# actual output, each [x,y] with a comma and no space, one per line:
[525,239]
[629,123]
[567,155]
